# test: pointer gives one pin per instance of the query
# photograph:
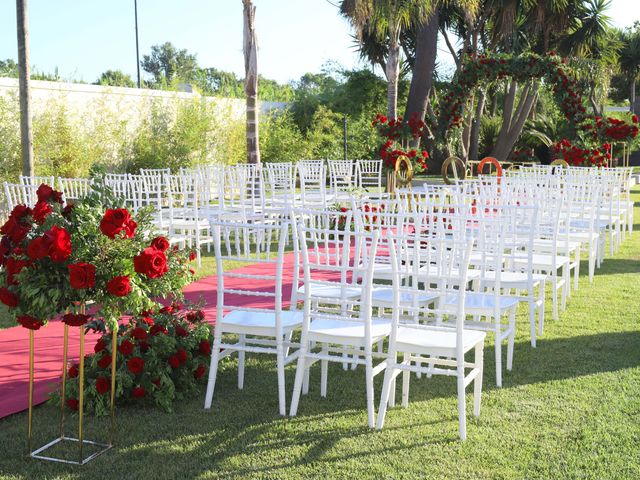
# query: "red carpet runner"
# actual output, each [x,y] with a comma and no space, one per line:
[14,343]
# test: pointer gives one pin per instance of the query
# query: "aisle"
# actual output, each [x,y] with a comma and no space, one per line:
[14,344]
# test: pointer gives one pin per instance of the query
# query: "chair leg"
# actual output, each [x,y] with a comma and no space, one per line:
[287,339]
[324,367]
[406,378]
[384,396]
[297,384]
[512,338]
[369,372]
[542,293]
[282,401]
[532,318]
[213,369]
[554,296]
[462,414]
[305,381]
[498,348]
[576,277]
[565,287]
[477,382]
[241,358]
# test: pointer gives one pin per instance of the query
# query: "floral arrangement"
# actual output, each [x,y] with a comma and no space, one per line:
[398,133]
[160,357]
[592,132]
[576,156]
[55,257]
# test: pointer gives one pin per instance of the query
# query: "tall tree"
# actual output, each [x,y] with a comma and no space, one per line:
[166,63]
[250,49]
[630,62]
[26,135]
[385,20]
[115,78]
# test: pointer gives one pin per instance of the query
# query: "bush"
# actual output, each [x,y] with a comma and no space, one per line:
[281,139]
[160,358]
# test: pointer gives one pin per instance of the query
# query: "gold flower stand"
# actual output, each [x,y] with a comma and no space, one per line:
[40,453]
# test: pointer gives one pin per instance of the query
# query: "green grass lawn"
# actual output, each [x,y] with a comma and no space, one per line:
[569,409]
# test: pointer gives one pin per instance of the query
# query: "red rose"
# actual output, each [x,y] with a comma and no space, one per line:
[157,328]
[130,229]
[82,275]
[15,229]
[99,346]
[115,220]
[75,319]
[144,346]
[41,211]
[205,347]
[139,333]
[66,211]
[181,331]
[44,192]
[182,355]
[160,243]
[151,262]
[27,321]
[102,385]
[19,212]
[148,320]
[167,309]
[126,348]
[135,365]
[73,371]
[192,256]
[37,248]
[174,361]
[156,382]
[119,286]
[59,242]
[72,403]
[9,298]
[199,373]
[634,118]
[105,361]
[138,392]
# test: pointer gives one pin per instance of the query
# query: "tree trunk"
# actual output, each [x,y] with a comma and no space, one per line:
[423,67]
[632,96]
[26,135]
[392,73]
[251,82]
[475,127]
[513,122]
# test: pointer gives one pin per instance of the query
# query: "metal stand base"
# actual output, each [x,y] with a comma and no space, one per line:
[36,453]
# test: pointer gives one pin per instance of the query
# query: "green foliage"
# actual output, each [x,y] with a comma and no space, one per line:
[8,68]
[489,130]
[170,335]
[115,78]
[10,150]
[281,140]
[166,64]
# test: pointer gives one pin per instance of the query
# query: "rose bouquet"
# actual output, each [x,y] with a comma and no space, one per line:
[160,356]
[55,258]
[397,133]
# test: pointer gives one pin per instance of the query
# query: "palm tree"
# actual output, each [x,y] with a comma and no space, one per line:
[385,20]
[26,135]
[250,49]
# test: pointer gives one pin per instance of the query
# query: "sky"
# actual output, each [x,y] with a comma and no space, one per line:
[83,38]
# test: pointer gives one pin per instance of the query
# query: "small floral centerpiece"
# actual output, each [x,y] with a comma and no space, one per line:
[160,356]
[398,133]
[56,258]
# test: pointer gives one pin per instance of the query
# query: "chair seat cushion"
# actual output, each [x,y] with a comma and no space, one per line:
[384,296]
[474,301]
[331,291]
[326,329]
[424,340]
[239,320]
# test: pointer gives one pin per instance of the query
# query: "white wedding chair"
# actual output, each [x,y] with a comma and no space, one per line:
[369,175]
[242,299]
[19,194]
[431,349]
[351,331]
[313,183]
[342,178]
[74,188]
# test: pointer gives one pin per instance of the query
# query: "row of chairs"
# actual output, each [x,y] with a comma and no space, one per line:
[430,273]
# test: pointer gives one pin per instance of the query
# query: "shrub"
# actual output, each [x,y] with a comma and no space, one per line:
[281,139]
[160,358]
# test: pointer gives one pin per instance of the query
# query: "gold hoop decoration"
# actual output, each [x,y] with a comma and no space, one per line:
[560,162]
[403,171]
[455,162]
[493,161]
